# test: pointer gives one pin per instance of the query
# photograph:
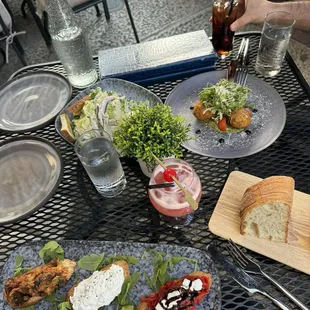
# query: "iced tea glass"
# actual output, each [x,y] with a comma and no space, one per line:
[170,201]
[224,13]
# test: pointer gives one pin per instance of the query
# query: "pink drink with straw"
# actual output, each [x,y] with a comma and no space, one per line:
[170,201]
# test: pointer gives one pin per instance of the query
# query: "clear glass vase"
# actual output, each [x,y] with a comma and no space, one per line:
[71,43]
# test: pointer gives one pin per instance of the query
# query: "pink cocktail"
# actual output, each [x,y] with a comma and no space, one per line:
[170,201]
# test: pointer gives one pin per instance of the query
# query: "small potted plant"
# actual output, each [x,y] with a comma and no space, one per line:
[151,130]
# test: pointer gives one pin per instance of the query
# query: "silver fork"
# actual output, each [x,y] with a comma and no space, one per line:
[250,266]
[242,70]
[255,290]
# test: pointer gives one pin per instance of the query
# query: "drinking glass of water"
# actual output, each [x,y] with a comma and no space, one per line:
[275,38]
[101,162]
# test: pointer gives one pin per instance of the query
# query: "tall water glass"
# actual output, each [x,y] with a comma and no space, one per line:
[275,38]
[101,162]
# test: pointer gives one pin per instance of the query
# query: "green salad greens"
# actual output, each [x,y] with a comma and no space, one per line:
[102,111]
[223,98]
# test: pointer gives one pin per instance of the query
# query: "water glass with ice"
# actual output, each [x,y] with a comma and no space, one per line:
[275,38]
[101,162]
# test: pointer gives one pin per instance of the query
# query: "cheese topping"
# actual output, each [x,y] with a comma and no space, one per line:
[196,285]
[98,290]
[186,284]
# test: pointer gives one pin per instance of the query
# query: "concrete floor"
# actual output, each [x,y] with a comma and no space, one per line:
[154,19]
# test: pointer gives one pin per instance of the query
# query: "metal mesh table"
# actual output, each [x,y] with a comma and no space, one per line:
[76,211]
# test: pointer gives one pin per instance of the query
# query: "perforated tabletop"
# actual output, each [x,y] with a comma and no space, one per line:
[76,211]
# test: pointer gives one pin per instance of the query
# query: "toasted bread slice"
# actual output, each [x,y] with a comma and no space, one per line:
[120,263]
[77,106]
[144,305]
[66,129]
[31,287]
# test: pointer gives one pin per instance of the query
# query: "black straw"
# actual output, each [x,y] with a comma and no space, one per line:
[231,7]
[164,185]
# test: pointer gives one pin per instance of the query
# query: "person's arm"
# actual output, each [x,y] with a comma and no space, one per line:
[256,10]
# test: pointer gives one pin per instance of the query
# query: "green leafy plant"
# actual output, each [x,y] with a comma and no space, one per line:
[151,130]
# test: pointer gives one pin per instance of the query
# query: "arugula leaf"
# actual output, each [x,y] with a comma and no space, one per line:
[91,262]
[53,307]
[121,299]
[28,308]
[160,274]
[50,251]
[51,298]
[18,269]
[64,306]
[130,260]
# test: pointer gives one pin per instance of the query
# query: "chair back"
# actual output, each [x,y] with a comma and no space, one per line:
[5,17]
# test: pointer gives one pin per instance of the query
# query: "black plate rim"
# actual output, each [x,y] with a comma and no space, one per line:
[53,190]
[49,121]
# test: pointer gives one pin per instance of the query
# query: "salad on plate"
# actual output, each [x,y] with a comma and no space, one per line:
[223,106]
[98,110]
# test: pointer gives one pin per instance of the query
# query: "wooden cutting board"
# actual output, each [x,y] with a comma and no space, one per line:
[225,222]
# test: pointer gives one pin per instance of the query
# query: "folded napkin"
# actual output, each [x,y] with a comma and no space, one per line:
[156,59]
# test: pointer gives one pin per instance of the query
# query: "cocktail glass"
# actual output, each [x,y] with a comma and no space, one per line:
[170,201]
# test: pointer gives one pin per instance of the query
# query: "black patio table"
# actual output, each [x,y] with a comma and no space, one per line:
[77,211]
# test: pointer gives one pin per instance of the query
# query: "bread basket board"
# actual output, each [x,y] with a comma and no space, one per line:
[225,222]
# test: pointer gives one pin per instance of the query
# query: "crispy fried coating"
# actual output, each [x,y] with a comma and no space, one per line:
[240,118]
[200,111]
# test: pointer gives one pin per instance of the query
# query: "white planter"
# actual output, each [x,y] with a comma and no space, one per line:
[146,169]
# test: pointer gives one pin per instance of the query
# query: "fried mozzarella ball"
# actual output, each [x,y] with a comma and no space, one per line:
[240,118]
[200,111]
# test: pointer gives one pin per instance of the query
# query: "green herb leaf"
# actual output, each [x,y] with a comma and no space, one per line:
[160,274]
[129,283]
[50,251]
[52,298]
[28,308]
[91,262]
[128,307]
[53,307]
[131,260]
[18,269]
[64,306]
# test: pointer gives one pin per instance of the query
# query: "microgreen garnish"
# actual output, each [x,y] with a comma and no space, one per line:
[50,251]
[91,262]
[161,265]
[18,269]
[94,262]
[64,306]
[122,299]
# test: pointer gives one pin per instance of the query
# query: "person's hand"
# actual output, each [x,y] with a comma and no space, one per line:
[255,12]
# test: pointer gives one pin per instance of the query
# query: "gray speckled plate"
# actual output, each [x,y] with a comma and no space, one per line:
[76,249]
[32,100]
[127,89]
[267,123]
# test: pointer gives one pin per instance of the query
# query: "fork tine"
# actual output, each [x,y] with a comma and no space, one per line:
[238,257]
[233,244]
[235,257]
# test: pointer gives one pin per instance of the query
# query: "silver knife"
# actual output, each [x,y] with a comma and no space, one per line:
[240,276]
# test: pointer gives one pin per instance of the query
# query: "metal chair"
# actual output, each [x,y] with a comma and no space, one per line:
[8,34]
[43,25]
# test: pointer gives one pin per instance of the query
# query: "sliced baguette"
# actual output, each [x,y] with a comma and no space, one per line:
[120,263]
[266,208]
[66,129]
[144,305]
